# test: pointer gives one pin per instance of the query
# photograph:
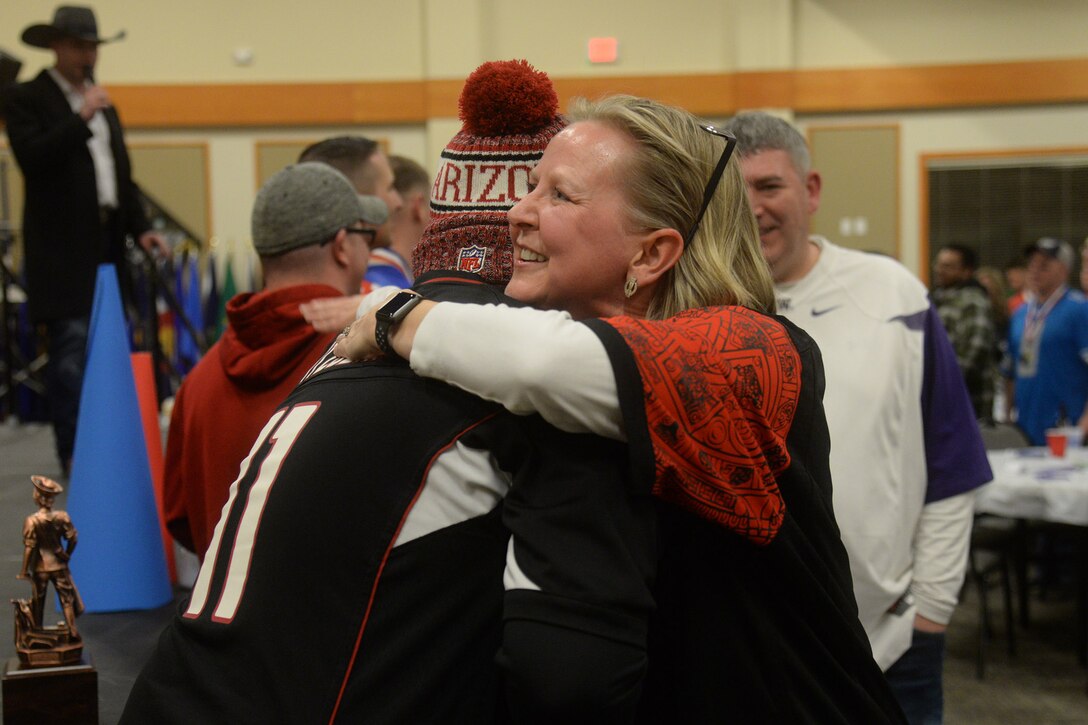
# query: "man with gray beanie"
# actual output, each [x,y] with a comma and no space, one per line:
[370,170]
[312,232]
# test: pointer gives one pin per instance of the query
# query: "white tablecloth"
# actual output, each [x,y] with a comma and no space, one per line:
[1030,483]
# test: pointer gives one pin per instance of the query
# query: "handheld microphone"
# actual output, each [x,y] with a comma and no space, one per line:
[88,76]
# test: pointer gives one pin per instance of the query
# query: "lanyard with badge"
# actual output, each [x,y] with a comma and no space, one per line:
[1027,360]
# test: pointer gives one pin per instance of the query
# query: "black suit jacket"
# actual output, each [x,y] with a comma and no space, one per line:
[62,231]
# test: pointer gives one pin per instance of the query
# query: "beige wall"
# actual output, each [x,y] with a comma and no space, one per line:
[851,33]
[194,40]
[418,40]
[859,166]
[330,40]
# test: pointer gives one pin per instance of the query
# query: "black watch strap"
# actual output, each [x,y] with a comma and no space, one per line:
[381,336]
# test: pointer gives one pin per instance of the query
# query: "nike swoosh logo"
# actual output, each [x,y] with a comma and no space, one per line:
[817,313]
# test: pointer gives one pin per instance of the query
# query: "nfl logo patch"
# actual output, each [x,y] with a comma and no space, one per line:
[471,259]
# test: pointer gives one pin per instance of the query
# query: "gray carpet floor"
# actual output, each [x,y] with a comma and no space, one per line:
[1041,683]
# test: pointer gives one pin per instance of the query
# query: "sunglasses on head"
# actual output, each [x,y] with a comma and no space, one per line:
[715,177]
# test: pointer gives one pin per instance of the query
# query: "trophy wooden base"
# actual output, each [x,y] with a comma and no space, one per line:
[61,695]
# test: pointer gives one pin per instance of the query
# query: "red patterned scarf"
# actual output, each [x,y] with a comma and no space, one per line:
[721,388]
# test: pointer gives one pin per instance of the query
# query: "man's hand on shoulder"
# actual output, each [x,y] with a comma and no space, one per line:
[330,314]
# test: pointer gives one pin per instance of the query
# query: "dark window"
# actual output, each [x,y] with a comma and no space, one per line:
[1000,209]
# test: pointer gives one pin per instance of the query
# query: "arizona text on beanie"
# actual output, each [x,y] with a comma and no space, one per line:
[509,113]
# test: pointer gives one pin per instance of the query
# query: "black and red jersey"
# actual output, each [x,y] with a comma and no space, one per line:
[356,573]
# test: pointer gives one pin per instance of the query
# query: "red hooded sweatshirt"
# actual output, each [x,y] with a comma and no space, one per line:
[227,398]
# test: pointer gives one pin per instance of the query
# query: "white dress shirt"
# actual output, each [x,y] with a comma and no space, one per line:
[99,144]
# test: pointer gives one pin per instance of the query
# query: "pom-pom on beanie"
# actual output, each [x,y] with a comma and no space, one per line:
[509,112]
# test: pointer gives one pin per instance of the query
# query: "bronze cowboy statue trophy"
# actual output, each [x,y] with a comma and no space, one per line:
[50,539]
[52,679]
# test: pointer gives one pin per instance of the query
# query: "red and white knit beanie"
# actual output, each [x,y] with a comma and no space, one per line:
[509,112]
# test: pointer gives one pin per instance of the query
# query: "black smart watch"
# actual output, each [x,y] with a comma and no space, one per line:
[390,314]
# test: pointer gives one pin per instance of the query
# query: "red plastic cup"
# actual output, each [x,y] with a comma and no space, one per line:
[1055,441]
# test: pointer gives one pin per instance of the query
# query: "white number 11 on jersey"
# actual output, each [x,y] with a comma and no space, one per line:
[282,436]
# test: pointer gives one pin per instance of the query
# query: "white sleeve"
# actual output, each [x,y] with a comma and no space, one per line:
[530,361]
[940,555]
[373,298]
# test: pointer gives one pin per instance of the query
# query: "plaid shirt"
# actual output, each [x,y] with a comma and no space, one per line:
[966,315]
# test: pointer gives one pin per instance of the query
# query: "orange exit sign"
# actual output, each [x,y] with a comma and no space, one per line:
[603,50]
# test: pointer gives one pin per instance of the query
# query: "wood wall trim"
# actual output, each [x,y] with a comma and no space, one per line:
[706,95]
[942,86]
[271,104]
[1019,153]
[804,91]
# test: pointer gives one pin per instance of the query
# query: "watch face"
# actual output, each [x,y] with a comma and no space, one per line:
[401,303]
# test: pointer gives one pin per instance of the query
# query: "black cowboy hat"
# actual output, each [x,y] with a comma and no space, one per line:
[69,21]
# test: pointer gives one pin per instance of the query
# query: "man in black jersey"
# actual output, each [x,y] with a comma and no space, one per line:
[333,592]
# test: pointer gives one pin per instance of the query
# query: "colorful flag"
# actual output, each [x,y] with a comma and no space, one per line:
[188,295]
[229,290]
[210,321]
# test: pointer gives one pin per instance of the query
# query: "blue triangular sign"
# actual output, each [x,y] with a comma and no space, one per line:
[119,563]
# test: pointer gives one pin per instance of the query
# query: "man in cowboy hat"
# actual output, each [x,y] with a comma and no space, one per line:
[80,203]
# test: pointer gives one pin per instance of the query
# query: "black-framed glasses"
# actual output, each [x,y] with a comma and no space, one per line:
[370,234]
[715,177]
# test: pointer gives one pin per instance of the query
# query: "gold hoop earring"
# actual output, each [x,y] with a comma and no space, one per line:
[630,287]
